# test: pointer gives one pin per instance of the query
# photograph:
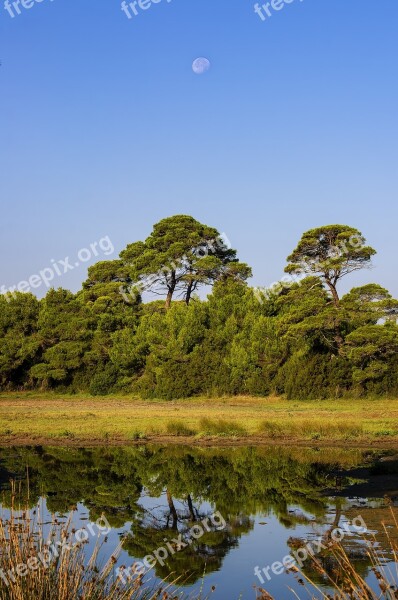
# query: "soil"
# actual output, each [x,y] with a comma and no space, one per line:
[26,440]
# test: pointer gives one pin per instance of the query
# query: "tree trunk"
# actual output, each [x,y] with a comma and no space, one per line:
[338,338]
[172,508]
[171,290]
[189,293]
[335,295]
[168,299]
[191,508]
[336,523]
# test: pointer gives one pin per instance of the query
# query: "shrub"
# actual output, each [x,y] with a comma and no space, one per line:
[103,381]
[179,428]
[221,427]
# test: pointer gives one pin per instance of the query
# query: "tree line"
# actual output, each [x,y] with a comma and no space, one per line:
[300,338]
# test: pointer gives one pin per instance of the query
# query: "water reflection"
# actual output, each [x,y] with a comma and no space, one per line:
[271,499]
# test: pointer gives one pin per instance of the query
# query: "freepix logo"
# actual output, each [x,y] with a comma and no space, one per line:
[265,11]
[54,550]
[298,558]
[59,268]
[137,6]
[14,7]
[161,555]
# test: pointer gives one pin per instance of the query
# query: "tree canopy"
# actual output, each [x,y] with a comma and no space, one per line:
[301,340]
[331,252]
[180,256]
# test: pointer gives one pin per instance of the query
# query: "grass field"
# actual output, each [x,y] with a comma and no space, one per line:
[44,418]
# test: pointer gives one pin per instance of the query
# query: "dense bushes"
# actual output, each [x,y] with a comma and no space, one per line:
[307,376]
[229,344]
[300,339]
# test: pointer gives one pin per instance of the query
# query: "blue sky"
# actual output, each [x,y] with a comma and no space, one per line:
[105,129]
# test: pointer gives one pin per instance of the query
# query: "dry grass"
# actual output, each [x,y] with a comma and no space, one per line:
[46,418]
[221,427]
[72,575]
[313,429]
[344,580]
[30,572]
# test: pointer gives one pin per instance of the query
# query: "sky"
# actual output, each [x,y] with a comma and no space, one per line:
[105,129]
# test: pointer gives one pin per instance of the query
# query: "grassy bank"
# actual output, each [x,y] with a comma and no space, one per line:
[44,418]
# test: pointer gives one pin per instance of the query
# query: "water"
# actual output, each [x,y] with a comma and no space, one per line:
[251,507]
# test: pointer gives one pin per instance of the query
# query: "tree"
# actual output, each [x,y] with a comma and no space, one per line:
[107,278]
[180,256]
[330,252]
[164,346]
[19,342]
[370,349]
[369,304]
[308,319]
[64,333]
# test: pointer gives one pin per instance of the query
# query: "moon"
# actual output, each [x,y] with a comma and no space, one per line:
[200,65]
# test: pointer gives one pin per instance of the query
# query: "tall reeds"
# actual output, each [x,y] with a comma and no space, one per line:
[344,581]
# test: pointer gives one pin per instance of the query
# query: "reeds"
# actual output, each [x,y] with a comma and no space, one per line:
[32,570]
[311,428]
[72,575]
[345,582]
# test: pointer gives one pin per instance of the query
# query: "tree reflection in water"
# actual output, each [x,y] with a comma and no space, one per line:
[189,485]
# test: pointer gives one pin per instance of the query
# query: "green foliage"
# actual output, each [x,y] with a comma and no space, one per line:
[298,339]
[64,332]
[180,256]
[19,341]
[189,485]
[179,428]
[369,304]
[221,427]
[103,381]
[331,252]
[308,376]
[370,349]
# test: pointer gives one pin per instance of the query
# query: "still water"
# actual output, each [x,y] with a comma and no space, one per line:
[217,513]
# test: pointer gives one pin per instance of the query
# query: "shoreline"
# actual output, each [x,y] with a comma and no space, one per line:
[203,442]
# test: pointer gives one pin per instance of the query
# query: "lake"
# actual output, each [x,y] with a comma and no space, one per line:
[212,515]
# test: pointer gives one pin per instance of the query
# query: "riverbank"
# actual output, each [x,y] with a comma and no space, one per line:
[31,418]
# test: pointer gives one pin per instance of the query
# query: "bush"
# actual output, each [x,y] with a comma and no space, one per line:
[103,381]
[314,376]
[179,428]
[221,427]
